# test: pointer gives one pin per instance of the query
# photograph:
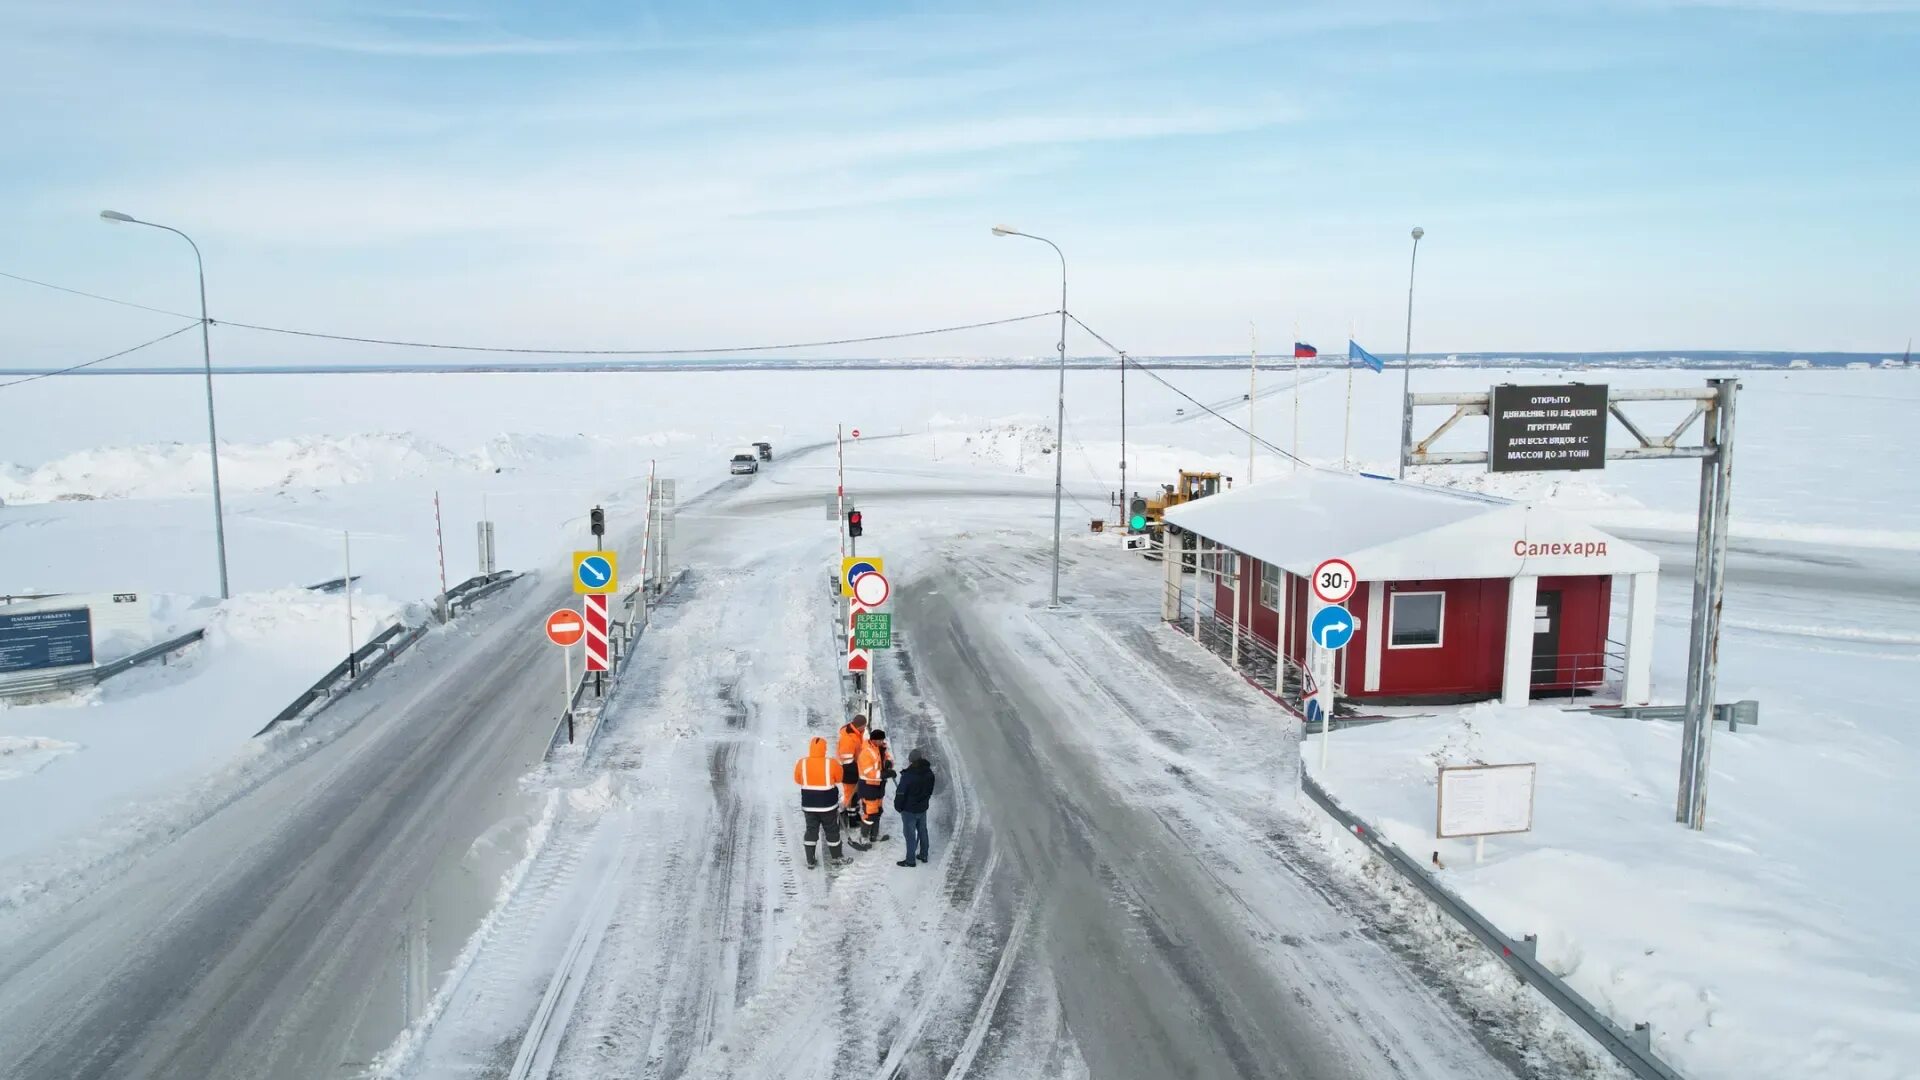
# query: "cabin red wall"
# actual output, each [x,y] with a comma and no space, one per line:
[1472,634]
[1473,651]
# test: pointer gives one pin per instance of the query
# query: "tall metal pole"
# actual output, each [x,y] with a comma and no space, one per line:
[1253,387]
[1296,395]
[1406,363]
[1059,430]
[1709,589]
[1125,505]
[1060,416]
[206,356]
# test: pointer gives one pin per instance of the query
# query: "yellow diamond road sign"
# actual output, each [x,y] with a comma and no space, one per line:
[596,572]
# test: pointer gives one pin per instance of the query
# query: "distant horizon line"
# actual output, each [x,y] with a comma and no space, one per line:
[1650,358]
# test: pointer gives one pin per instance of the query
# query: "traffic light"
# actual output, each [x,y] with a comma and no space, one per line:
[597,520]
[853,523]
[1137,515]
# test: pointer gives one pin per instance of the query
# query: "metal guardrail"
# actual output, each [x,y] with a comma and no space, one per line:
[73,680]
[1734,714]
[468,592]
[1633,1049]
[383,649]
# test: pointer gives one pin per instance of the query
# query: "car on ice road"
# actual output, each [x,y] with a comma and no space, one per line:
[766,450]
[744,463]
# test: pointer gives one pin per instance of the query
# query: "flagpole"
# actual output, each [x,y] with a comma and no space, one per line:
[1253,386]
[1296,395]
[1346,434]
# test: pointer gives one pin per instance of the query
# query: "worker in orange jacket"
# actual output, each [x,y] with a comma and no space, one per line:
[819,778]
[876,765]
[853,736]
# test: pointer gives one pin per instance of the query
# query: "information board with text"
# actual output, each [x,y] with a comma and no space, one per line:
[1485,800]
[1540,428]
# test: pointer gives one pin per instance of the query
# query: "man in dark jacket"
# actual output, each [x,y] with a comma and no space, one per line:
[911,794]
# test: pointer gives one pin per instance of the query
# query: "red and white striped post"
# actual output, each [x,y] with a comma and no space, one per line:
[840,485]
[596,639]
[440,543]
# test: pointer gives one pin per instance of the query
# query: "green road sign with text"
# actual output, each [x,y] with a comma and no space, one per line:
[873,630]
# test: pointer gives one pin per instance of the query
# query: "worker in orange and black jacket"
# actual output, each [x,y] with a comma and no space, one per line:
[853,736]
[819,778]
[876,765]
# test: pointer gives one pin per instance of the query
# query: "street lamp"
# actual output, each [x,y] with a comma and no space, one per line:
[1060,421]
[206,355]
[1406,362]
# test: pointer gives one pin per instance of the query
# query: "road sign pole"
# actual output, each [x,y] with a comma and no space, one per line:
[646,543]
[840,484]
[1323,692]
[566,687]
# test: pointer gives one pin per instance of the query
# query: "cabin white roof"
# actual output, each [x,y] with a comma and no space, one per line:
[1394,531]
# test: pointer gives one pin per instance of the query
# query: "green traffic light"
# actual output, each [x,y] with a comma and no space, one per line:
[1138,522]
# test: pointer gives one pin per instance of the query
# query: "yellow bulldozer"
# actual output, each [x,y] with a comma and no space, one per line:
[1144,511]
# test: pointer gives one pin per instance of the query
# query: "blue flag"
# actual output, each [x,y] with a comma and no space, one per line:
[1354,352]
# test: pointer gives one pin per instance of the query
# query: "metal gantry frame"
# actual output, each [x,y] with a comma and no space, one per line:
[1712,404]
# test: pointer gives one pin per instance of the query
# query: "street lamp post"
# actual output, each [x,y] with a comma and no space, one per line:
[1060,421]
[1406,362]
[206,355]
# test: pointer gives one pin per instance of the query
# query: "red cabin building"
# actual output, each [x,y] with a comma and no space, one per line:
[1460,597]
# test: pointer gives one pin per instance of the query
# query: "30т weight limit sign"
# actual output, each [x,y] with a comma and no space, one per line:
[1334,581]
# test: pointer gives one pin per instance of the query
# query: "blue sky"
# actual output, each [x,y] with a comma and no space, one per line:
[1590,175]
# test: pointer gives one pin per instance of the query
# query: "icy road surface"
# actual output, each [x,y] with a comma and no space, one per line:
[1113,891]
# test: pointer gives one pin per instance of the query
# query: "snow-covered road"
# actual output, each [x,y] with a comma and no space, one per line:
[295,925]
[1090,910]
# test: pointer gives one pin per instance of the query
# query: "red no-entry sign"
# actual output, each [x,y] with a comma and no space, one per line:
[565,628]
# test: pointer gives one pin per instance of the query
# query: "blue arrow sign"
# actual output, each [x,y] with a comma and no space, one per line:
[858,569]
[594,571]
[1333,627]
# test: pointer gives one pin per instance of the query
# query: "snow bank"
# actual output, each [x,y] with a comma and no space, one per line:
[175,469]
[72,766]
[171,470]
[1731,944]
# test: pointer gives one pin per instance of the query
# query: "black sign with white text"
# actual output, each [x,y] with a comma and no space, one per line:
[1536,428]
[45,639]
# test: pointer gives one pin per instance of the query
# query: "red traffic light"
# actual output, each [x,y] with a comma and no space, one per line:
[853,517]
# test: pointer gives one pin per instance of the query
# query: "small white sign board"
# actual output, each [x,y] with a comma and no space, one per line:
[1485,800]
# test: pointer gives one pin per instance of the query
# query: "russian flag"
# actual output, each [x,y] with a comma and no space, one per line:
[1302,350]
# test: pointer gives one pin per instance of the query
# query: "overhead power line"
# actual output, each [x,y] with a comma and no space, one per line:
[450,347]
[97,296]
[899,336]
[1155,376]
[104,359]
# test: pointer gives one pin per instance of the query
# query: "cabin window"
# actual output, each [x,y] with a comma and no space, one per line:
[1270,586]
[1416,620]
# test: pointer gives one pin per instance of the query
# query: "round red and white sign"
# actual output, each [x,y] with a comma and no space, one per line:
[871,589]
[856,433]
[565,627]
[1334,581]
